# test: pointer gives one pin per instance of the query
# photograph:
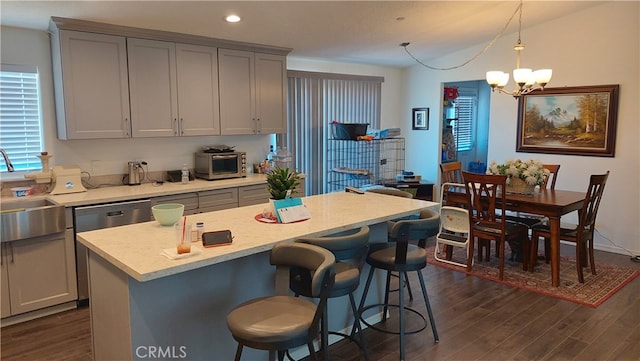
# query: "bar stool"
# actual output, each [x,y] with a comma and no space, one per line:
[350,249]
[400,257]
[281,322]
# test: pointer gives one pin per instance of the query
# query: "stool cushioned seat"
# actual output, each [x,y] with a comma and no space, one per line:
[386,258]
[260,320]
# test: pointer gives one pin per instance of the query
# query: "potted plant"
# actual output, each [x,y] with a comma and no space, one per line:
[280,181]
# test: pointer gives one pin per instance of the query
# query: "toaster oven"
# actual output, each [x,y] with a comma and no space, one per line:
[220,165]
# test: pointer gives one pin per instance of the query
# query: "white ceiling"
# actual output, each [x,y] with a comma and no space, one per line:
[350,31]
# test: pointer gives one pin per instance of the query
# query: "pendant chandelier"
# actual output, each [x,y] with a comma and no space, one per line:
[527,80]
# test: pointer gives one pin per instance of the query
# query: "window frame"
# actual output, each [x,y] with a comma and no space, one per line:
[24,160]
[468,123]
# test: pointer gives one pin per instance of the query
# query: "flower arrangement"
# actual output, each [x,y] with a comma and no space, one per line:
[531,171]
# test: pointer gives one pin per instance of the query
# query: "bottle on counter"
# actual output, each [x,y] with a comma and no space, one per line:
[199,232]
[284,158]
[185,174]
[271,157]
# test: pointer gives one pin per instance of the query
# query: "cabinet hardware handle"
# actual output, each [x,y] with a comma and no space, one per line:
[127,127]
[11,247]
[181,126]
[175,126]
[115,214]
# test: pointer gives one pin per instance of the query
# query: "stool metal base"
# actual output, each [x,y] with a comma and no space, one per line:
[408,332]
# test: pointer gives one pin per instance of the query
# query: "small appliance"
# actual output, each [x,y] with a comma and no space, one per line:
[220,162]
[135,168]
[67,180]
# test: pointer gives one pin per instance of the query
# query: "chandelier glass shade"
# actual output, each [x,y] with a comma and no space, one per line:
[526,79]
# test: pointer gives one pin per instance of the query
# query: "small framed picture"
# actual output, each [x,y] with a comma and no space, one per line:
[420,118]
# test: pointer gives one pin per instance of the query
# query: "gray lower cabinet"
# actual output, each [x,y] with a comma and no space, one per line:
[189,200]
[37,273]
[218,199]
[4,284]
[250,195]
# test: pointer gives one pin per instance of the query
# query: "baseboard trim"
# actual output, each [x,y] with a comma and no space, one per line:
[24,317]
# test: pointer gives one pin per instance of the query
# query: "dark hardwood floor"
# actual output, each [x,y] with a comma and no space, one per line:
[476,320]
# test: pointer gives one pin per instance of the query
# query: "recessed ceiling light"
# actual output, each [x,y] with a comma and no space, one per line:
[232,18]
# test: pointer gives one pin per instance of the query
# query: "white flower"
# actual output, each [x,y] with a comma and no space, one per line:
[531,171]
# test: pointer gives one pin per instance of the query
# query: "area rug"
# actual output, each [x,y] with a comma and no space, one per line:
[593,292]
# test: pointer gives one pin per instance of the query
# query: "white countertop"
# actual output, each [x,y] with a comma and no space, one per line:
[147,190]
[135,249]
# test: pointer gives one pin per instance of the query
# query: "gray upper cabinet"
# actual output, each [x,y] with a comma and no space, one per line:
[198,102]
[174,89]
[119,82]
[91,85]
[252,92]
[153,88]
[271,93]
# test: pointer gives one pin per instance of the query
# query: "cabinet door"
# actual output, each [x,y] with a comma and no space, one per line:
[189,200]
[153,88]
[237,92]
[218,199]
[42,272]
[4,284]
[92,86]
[271,92]
[198,102]
[255,194]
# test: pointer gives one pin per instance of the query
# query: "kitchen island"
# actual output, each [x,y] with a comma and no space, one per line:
[143,304]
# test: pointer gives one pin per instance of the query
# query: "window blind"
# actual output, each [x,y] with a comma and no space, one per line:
[315,100]
[466,120]
[20,118]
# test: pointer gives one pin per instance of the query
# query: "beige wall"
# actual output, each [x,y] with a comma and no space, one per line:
[597,46]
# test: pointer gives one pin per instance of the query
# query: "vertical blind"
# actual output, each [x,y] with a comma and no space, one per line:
[20,119]
[314,101]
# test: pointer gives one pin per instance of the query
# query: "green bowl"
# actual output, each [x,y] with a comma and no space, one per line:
[167,214]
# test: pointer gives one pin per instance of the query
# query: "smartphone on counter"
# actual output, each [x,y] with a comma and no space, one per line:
[217,238]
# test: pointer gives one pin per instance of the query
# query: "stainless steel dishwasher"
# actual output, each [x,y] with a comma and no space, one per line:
[104,216]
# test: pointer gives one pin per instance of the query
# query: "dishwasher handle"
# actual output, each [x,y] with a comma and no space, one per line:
[118,213]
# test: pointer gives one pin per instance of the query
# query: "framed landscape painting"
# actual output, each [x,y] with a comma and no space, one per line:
[570,120]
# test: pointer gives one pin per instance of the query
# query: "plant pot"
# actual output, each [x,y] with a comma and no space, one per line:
[272,208]
[519,186]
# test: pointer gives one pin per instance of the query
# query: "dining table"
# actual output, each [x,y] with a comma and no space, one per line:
[551,203]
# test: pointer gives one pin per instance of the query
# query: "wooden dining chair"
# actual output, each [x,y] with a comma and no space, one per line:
[451,172]
[553,176]
[486,201]
[582,234]
[531,220]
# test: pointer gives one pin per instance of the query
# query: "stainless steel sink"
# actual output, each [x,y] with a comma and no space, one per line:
[21,219]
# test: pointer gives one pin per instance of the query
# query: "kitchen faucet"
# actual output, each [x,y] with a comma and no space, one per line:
[7,161]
